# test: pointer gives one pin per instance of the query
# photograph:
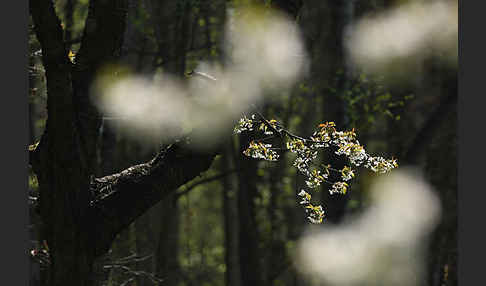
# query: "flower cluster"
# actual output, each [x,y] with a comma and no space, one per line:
[264,126]
[354,151]
[347,173]
[258,150]
[244,124]
[305,155]
[297,146]
[380,164]
[315,213]
[316,178]
[339,187]
[326,136]
[341,138]
[305,196]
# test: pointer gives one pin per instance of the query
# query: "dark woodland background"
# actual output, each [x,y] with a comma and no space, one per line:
[238,223]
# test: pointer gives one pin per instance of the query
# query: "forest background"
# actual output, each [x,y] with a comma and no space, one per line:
[239,223]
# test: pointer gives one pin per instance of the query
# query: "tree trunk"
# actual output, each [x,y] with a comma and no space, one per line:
[230,215]
[172,26]
[83,214]
[441,169]
[278,260]
[324,24]
[250,255]
[167,252]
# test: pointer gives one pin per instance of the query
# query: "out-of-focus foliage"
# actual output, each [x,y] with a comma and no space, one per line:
[367,94]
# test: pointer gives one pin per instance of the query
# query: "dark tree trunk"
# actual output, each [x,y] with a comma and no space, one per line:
[324,24]
[63,178]
[69,14]
[82,214]
[439,136]
[278,260]
[172,44]
[249,249]
[230,215]
[167,266]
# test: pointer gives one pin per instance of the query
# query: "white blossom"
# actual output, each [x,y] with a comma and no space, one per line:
[339,187]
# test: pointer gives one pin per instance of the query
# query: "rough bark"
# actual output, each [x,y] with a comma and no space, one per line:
[62,180]
[122,197]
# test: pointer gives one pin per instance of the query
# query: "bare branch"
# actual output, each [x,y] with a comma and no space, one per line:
[136,273]
[48,30]
[127,281]
[130,259]
[187,189]
[57,67]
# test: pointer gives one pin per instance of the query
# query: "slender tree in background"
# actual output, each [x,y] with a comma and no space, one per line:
[231,221]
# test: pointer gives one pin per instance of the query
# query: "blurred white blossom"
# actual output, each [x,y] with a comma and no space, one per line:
[382,246]
[264,51]
[397,40]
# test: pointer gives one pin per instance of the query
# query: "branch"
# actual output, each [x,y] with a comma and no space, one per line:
[57,67]
[203,181]
[48,31]
[33,154]
[130,259]
[122,197]
[129,280]
[201,74]
[136,273]
[103,34]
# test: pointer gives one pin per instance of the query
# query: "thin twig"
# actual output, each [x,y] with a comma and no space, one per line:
[137,273]
[130,259]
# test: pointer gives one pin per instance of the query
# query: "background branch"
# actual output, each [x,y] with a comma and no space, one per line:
[187,189]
